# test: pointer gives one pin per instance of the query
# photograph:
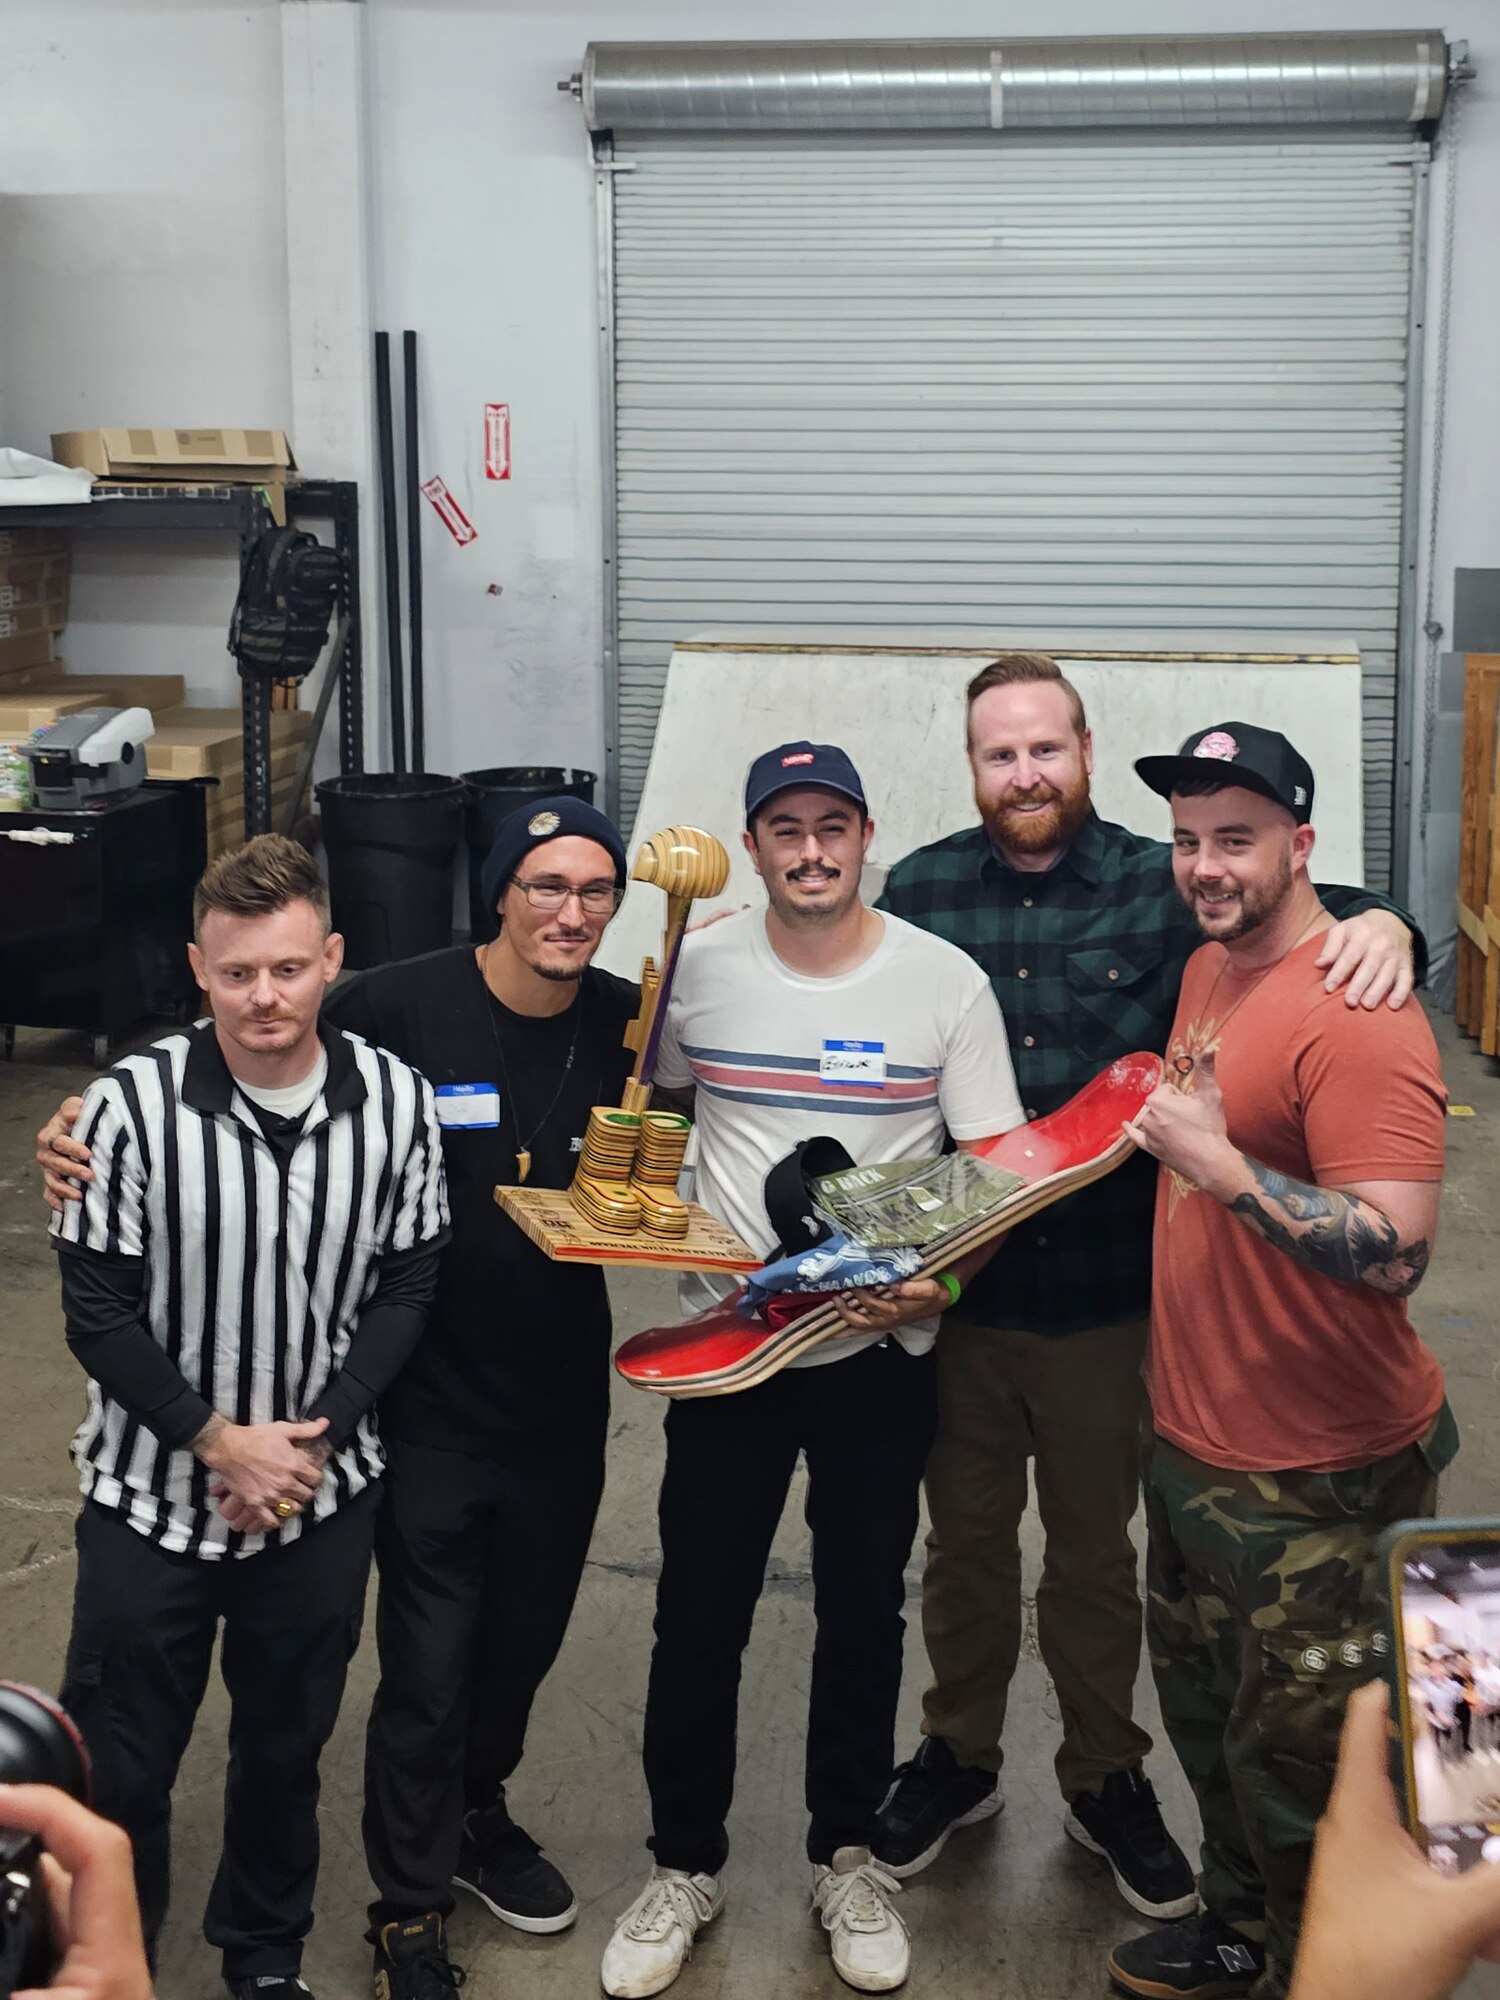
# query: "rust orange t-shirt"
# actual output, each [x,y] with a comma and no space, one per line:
[1256,1362]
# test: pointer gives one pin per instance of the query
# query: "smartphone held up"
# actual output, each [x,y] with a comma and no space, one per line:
[1442,1581]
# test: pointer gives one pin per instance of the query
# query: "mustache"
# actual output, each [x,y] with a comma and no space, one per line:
[1039,795]
[807,868]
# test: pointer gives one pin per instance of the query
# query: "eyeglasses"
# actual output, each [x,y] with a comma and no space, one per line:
[599,899]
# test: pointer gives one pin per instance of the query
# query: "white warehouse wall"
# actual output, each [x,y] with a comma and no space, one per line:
[142,279]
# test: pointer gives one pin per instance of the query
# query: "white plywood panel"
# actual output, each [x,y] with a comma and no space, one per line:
[900,715]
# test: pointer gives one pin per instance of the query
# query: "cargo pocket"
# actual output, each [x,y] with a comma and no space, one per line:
[1298,1681]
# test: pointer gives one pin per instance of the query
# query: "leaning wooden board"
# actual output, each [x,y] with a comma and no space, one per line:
[552,1222]
[717,1353]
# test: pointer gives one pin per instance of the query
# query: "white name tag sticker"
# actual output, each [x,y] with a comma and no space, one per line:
[467,1104]
[858,1063]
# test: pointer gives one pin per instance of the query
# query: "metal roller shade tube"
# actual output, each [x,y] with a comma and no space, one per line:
[1201,80]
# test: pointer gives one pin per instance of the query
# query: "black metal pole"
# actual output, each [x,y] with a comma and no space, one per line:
[414,553]
[385,436]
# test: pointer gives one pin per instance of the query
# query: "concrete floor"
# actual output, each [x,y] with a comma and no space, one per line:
[1013,1908]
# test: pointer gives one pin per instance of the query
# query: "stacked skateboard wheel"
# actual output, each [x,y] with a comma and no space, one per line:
[601,1187]
[627,1174]
[658,1164]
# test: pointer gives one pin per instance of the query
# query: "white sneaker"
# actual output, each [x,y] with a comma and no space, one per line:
[655,1935]
[869,1941]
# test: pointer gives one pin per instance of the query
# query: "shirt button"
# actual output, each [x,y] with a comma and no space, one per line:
[1041,1243]
[1030,1113]
[1023,973]
[1028,1041]
[1025,902]
[1112,973]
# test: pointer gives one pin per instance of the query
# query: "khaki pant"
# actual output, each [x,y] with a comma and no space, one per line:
[1076,1404]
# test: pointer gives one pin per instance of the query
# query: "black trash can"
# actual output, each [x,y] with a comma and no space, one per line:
[391,844]
[493,796]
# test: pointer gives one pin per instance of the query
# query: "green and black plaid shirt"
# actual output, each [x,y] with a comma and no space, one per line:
[1086,961]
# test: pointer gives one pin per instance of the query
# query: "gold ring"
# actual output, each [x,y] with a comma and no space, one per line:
[284,1509]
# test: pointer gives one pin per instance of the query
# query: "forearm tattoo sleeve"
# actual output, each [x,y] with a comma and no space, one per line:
[1332,1233]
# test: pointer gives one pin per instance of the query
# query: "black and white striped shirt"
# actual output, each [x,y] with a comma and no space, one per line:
[257,1258]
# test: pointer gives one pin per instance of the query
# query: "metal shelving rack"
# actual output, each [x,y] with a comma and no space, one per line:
[242,510]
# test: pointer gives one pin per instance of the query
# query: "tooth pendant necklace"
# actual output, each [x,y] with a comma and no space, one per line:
[523,1146]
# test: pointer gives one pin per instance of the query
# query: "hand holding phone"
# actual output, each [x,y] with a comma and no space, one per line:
[1442,1585]
[1380,1923]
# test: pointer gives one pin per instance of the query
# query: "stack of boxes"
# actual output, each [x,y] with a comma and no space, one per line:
[35,687]
[35,564]
[209,743]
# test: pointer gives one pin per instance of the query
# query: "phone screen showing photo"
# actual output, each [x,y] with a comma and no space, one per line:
[1448,1636]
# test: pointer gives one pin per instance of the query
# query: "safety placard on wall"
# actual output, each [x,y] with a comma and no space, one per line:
[448,511]
[497,440]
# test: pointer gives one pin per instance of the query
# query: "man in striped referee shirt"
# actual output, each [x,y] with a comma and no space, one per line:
[249,1266]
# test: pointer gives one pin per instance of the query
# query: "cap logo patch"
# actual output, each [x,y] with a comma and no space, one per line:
[1218,743]
[541,823]
[1299,795]
[797,757]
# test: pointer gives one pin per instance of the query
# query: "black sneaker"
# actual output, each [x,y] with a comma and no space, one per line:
[271,1986]
[1124,1825]
[931,1796]
[412,1962]
[507,1871]
[1198,1959]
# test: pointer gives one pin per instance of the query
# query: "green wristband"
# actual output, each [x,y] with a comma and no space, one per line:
[950,1285]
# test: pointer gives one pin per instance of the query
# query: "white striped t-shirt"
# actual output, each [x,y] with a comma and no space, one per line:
[885,1059]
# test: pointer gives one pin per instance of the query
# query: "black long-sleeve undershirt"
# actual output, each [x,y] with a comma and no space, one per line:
[102,1297]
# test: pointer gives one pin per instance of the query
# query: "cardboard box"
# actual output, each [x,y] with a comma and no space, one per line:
[24,652]
[227,828]
[181,456]
[209,743]
[22,618]
[36,580]
[33,541]
[158,692]
[21,714]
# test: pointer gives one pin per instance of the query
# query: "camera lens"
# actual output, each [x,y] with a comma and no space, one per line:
[38,1744]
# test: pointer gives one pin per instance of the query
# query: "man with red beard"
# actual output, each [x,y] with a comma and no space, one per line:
[1084,938]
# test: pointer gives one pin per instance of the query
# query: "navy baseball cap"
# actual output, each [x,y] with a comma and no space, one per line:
[802,764]
[531,826]
[1262,760]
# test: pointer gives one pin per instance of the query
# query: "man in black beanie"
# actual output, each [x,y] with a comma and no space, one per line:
[494,1432]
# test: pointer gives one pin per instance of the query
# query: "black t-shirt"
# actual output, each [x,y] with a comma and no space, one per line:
[515,1343]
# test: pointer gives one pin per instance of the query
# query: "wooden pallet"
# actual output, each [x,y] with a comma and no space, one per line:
[1478,1004]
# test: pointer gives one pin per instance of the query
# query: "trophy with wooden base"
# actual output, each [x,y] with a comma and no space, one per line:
[623,1206]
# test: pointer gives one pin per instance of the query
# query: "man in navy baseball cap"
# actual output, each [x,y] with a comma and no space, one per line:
[801,764]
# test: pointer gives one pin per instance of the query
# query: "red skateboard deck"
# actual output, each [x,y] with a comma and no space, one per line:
[717,1352]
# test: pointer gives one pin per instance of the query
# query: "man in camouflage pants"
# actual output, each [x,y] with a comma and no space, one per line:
[1296,1412]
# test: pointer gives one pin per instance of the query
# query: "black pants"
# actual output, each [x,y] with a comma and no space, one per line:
[480,1561]
[138,1662]
[865,1425]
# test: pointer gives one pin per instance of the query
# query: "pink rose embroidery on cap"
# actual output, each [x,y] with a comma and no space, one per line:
[1218,743]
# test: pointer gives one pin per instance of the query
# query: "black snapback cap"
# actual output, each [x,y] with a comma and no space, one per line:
[1262,760]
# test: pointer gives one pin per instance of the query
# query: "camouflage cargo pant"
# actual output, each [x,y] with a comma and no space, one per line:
[1262,1617]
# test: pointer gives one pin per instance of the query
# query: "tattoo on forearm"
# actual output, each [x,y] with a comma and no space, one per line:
[208,1435]
[1331,1233]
